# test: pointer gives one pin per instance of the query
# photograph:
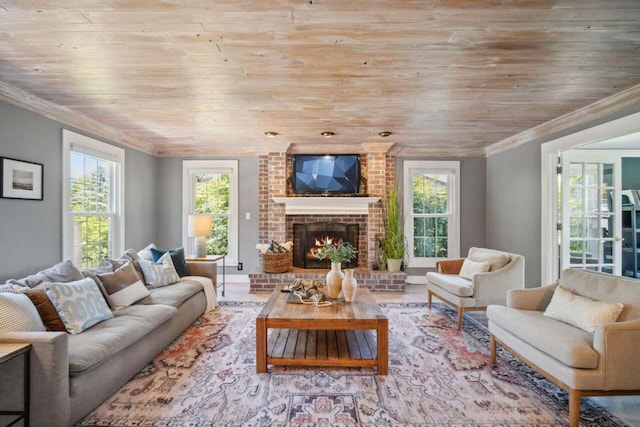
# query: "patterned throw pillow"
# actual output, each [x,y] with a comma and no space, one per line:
[123,287]
[17,313]
[581,312]
[159,274]
[177,257]
[146,252]
[79,304]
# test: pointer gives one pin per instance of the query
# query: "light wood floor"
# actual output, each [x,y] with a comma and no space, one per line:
[625,407]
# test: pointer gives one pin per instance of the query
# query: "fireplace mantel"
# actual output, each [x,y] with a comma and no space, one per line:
[326,205]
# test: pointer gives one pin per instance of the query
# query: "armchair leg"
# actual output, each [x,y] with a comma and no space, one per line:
[429,299]
[460,313]
[574,407]
[493,350]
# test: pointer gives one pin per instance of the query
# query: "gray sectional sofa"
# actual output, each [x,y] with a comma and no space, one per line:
[73,374]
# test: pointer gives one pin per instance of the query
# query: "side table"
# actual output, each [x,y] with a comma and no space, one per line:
[212,258]
[9,351]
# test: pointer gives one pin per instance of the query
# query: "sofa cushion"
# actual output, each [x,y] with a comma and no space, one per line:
[107,338]
[566,343]
[451,283]
[496,259]
[46,309]
[173,295]
[17,313]
[161,273]
[177,257]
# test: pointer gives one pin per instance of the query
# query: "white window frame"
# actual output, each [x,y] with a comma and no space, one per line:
[191,167]
[413,167]
[75,142]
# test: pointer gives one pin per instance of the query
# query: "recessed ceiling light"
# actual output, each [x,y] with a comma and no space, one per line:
[327,134]
[384,134]
[271,134]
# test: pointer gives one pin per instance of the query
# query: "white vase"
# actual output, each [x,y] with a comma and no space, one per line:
[349,286]
[334,280]
[393,265]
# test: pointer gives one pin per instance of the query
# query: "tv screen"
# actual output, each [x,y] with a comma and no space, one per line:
[326,174]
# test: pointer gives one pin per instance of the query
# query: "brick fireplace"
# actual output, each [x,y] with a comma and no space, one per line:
[280,209]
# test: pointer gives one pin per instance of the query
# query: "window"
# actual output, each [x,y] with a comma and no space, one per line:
[93,225]
[210,188]
[431,206]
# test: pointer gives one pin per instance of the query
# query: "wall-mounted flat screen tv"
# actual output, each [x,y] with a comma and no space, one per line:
[326,174]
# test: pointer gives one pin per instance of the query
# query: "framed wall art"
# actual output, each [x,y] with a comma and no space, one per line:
[21,179]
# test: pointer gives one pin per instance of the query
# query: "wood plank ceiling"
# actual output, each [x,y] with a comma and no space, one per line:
[203,77]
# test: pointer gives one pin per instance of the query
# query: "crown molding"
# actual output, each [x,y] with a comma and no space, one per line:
[20,98]
[627,98]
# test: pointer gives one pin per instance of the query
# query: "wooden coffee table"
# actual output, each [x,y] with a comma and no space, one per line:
[341,334]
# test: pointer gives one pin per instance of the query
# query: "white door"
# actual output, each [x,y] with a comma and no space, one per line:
[591,205]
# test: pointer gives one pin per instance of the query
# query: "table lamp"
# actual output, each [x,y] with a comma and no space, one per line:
[199,226]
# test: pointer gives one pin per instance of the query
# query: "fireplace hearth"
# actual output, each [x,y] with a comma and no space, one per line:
[309,238]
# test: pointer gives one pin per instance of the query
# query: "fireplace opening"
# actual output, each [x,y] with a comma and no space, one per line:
[309,238]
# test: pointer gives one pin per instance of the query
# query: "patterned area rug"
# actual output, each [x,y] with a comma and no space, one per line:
[437,377]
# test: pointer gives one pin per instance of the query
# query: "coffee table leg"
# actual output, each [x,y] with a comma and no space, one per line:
[383,345]
[261,344]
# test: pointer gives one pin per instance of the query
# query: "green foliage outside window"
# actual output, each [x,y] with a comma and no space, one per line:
[430,233]
[211,196]
[89,199]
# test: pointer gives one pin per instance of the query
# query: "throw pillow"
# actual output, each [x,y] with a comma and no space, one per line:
[581,312]
[92,272]
[13,289]
[123,287]
[146,252]
[159,274]
[47,311]
[79,304]
[17,313]
[177,256]
[471,268]
[63,272]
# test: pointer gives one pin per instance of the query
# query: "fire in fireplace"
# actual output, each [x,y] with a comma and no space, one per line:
[309,238]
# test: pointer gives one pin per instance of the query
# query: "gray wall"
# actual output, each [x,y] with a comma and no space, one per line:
[473,172]
[31,231]
[170,208]
[513,206]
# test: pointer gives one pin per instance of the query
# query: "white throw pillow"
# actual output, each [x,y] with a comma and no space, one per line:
[146,252]
[581,312]
[471,268]
[80,304]
[17,313]
[161,273]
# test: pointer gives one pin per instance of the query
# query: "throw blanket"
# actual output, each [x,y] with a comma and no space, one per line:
[209,290]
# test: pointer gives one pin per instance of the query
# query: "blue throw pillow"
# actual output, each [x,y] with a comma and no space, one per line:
[177,256]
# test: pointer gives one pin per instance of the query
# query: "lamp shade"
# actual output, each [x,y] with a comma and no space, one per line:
[199,225]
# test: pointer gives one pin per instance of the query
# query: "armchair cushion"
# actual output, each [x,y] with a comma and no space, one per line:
[496,259]
[455,285]
[471,268]
[568,344]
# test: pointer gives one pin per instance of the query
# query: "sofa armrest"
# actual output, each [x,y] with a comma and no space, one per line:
[491,287]
[449,266]
[618,345]
[208,269]
[50,403]
[535,299]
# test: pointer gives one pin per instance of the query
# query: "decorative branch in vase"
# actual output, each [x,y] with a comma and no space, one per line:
[342,252]
[394,234]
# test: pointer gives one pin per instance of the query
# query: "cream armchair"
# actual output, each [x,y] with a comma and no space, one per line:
[506,272]
[583,364]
